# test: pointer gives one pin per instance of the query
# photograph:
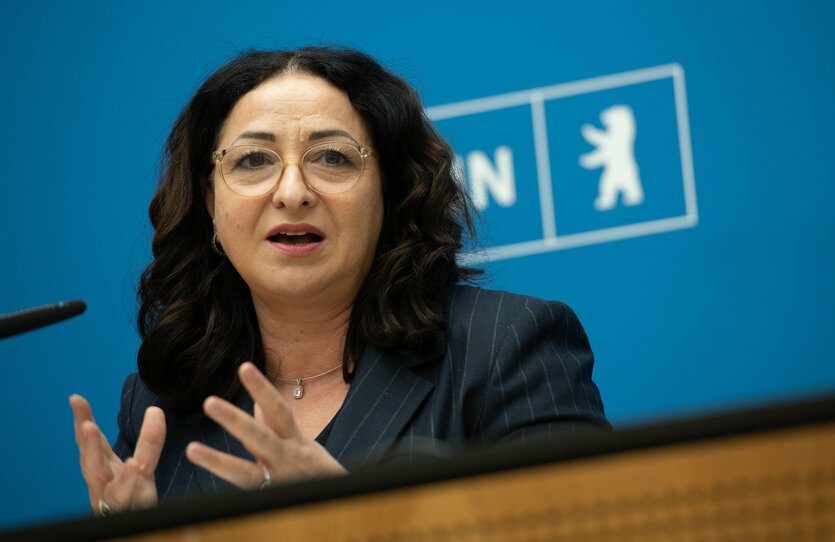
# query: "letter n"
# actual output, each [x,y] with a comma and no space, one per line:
[499,181]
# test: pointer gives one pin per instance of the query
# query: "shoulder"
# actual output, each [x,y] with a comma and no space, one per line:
[497,332]
[465,295]
[469,308]
[468,295]
[136,397]
[136,393]
[518,362]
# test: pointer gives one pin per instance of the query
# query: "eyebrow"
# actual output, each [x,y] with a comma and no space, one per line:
[321,134]
[266,136]
[330,133]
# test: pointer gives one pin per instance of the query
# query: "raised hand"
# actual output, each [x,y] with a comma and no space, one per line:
[271,435]
[115,485]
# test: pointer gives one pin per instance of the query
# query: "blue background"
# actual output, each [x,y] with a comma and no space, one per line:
[736,311]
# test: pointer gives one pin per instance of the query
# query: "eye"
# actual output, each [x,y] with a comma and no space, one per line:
[333,157]
[251,159]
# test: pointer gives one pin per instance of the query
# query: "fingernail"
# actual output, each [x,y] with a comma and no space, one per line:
[196,452]
[211,405]
[248,371]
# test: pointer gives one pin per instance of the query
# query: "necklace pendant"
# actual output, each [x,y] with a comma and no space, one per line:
[298,391]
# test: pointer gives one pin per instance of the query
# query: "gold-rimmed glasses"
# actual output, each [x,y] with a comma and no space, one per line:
[329,167]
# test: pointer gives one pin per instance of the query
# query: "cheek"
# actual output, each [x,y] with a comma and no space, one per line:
[376,204]
[231,216]
[371,211]
[224,221]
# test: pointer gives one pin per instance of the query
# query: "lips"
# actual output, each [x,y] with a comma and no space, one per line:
[295,234]
[296,240]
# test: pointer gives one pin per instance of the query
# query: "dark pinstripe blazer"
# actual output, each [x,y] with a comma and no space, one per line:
[505,366]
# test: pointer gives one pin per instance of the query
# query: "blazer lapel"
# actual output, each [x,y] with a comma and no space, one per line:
[211,434]
[384,395]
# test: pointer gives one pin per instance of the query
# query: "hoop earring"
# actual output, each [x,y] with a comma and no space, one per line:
[216,247]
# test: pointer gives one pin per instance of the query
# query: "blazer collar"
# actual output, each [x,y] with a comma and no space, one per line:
[208,432]
[384,395]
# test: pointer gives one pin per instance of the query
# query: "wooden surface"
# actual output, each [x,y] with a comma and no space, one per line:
[778,485]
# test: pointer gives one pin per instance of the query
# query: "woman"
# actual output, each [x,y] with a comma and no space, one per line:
[303,314]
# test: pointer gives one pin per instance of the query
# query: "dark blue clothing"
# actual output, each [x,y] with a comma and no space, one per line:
[505,366]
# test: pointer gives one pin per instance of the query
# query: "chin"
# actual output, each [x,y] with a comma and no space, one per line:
[288,286]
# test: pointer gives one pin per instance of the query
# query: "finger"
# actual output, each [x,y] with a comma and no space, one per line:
[240,472]
[81,412]
[151,440]
[275,410]
[256,437]
[95,458]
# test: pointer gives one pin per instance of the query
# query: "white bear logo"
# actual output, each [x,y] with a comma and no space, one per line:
[615,152]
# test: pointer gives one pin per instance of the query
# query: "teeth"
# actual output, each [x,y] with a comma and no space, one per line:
[293,233]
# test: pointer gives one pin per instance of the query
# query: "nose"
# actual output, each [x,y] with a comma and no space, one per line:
[292,192]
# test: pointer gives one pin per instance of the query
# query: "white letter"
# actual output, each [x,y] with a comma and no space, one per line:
[499,181]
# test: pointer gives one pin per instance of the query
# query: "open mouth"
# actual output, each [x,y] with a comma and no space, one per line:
[295,238]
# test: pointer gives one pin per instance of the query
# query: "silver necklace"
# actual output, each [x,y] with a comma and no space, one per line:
[298,391]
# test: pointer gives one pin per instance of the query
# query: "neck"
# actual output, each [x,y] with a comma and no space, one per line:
[301,341]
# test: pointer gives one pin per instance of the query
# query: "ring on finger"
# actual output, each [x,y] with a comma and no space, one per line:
[104,508]
[267,479]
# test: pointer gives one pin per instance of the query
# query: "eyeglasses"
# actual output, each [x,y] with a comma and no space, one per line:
[329,167]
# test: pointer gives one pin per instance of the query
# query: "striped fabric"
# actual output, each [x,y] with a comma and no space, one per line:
[506,367]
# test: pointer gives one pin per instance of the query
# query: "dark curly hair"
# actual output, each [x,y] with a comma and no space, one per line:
[189,293]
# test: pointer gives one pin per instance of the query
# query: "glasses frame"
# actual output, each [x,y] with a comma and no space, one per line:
[364,152]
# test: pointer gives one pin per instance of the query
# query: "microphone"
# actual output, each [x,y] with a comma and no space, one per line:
[18,322]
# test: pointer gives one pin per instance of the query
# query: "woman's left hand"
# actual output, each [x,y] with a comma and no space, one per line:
[271,435]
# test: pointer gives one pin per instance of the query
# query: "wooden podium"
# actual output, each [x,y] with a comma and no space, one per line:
[766,474]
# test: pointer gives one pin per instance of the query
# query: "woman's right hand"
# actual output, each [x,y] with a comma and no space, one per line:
[120,485]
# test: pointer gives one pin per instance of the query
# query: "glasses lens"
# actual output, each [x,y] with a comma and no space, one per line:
[250,171]
[332,167]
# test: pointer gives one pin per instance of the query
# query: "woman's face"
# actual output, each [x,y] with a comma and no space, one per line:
[333,236]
